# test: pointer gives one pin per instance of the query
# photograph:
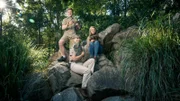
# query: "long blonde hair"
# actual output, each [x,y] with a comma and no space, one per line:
[88,38]
[90,30]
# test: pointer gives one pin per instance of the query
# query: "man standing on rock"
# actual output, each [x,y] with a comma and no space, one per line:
[69,25]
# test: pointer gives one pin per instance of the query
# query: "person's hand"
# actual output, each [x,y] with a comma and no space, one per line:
[66,26]
[92,40]
[70,22]
[72,57]
[82,54]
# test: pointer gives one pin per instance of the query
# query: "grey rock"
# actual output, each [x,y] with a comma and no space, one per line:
[74,80]
[130,33]
[106,82]
[36,88]
[103,62]
[125,34]
[107,35]
[58,76]
[70,94]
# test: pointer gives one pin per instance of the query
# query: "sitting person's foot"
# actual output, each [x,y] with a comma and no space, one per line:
[62,58]
[96,59]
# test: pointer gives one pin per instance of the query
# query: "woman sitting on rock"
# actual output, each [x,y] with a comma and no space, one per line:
[94,46]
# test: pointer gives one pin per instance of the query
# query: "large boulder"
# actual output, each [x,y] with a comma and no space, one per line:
[107,35]
[74,80]
[58,74]
[128,34]
[107,82]
[102,62]
[36,88]
[41,86]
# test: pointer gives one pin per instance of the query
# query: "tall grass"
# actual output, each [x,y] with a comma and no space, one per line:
[151,62]
[18,57]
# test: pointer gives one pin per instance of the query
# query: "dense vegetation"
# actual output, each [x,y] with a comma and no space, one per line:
[154,59]
[31,33]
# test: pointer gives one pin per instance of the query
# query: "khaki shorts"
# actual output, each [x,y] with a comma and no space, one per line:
[68,38]
[68,35]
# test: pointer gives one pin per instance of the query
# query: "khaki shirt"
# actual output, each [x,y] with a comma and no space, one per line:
[77,51]
[71,28]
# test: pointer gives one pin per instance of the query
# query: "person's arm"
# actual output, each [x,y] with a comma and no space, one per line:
[88,41]
[64,27]
[76,58]
[66,24]
[69,25]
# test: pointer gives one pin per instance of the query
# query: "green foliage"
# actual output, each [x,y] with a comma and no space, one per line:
[18,57]
[154,57]
[151,62]
[14,62]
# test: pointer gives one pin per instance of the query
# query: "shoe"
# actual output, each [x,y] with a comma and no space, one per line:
[61,59]
[96,59]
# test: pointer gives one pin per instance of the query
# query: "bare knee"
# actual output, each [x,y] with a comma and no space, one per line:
[61,42]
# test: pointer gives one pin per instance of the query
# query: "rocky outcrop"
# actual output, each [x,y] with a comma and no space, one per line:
[106,81]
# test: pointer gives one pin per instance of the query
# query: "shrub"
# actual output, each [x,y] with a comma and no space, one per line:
[151,62]
[18,57]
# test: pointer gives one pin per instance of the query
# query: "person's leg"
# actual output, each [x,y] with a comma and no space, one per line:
[96,48]
[80,69]
[61,47]
[91,49]
[63,40]
[90,65]
[100,51]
